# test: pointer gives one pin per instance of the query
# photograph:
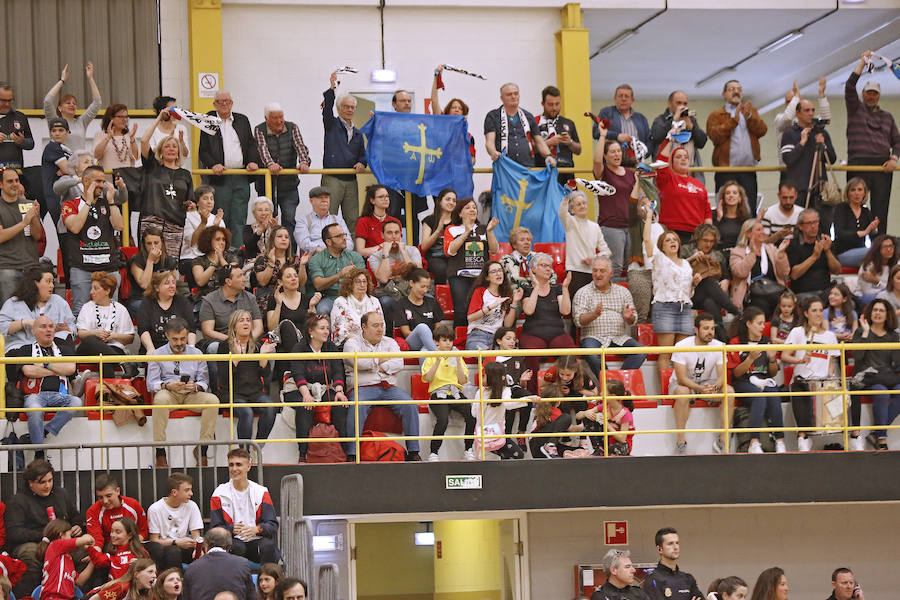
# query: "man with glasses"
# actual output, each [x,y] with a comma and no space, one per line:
[735,130]
[232,147]
[619,578]
[308,228]
[15,134]
[326,269]
[377,381]
[180,382]
[810,256]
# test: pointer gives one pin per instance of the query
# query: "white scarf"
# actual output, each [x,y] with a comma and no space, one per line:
[54,351]
[504,130]
[763,263]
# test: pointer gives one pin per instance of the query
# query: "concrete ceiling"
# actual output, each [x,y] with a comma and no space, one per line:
[677,48]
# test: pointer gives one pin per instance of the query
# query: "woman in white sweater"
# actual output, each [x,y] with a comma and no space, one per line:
[584,239]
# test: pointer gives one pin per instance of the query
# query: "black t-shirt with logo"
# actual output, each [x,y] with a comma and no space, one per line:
[429,312]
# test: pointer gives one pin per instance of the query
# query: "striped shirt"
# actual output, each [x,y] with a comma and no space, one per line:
[871,132]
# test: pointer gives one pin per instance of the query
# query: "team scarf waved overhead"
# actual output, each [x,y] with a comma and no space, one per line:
[526,198]
[421,154]
[207,123]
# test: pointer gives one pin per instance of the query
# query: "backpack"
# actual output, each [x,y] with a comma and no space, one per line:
[324,452]
[379,450]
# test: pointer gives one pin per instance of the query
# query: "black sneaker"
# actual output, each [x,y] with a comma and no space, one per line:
[413,457]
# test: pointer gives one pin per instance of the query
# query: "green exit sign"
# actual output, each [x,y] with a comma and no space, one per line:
[463,482]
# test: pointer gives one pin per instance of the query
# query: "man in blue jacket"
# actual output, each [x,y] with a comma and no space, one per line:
[625,125]
[344,149]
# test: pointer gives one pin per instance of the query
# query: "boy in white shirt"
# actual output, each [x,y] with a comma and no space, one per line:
[175,523]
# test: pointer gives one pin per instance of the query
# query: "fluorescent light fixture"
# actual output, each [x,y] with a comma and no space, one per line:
[328,543]
[783,41]
[425,538]
[721,71]
[384,76]
[618,40]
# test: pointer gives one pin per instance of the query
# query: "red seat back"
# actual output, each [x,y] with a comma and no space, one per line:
[664,376]
[558,252]
[418,387]
[442,294]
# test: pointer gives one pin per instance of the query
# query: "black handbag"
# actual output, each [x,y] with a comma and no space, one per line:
[764,293]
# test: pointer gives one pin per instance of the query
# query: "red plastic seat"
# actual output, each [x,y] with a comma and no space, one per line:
[634,383]
[91,397]
[418,387]
[442,295]
[767,330]
[558,252]
[647,337]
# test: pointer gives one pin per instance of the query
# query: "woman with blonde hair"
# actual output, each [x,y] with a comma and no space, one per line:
[753,260]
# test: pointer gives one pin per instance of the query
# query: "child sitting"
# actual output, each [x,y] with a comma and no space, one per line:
[126,543]
[60,576]
[445,377]
[490,417]
[619,419]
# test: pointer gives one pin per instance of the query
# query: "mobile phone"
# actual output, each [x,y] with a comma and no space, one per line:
[185,378]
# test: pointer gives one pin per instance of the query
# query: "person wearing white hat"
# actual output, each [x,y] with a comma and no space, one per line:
[872,139]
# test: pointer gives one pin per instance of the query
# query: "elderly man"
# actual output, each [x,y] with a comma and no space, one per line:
[810,256]
[872,139]
[327,268]
[344,149]
[844,586]
[619,578]
[218,571]
[232,147]
[388,263]
[513,130]
[799,146]
[735,130]
[677,110]
[20,227]
[308,228]
[378,381]
[14,130]
[180,382]
[559,132]
[281,147]
[625,124]
[605,314]
[45,384]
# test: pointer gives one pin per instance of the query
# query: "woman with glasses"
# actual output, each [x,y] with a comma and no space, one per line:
[245,382]
[257,233]
[34,297]
[468,246]
[544,309]
[115,146]
[490,306]
[354,300]
[318,380]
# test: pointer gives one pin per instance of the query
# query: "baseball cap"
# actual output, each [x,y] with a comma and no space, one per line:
[318,191]
[57,122]
[872,85]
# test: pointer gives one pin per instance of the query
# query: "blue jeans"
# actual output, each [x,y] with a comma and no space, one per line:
[478,339]
[36,425]
[617,240]
[408,413]
[80,282]
[245,418]
[853,257]
[632,361]
[323,306]
[885,407]
[420,338]
[761,406]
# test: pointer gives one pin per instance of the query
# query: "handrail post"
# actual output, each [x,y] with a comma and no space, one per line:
[481,401]
[605,404]
[126,241]
[231,399]
[268,180]
[846,430]
[356,406]
[725,419]
[100,396]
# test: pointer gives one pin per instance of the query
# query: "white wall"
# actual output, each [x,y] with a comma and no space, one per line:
[808,542]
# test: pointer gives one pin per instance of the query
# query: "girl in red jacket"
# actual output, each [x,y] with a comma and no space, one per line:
[126,543]
[60,577]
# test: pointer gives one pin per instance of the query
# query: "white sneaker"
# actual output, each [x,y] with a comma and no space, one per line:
[857,444]
[779,447]
[680,447]
[718,446]
[755,448]
[433,457]
[804,444]
[469,455]
[549,450]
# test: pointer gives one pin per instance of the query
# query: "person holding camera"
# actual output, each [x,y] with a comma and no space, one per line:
[845,586]
[804,148]
[677,110]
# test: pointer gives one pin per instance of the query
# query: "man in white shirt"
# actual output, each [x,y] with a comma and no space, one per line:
[699,373]
[244,508]
[378,381]
[779,219]
[175,523]
[308,228]
[233,147]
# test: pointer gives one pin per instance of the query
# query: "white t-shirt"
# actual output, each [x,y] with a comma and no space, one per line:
[191,223]
[701,366]
[493,319]
[656,230]
[243,510]
[817,368]
[774,220]
[114,317]
[173,523]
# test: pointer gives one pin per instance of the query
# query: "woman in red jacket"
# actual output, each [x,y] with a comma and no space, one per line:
[683,201]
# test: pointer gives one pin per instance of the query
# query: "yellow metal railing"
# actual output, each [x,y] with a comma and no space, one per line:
[600,398]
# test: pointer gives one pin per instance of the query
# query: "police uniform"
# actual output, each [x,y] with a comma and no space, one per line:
[667,584]
[608,591]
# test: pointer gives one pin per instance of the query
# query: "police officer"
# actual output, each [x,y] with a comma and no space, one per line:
[619,578]
[667,581]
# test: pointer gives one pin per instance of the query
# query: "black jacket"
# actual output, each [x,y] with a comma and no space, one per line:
[608,591]
[798,158]
[663,123]
[665,584]
[216,572]
[26,514]
[211,151]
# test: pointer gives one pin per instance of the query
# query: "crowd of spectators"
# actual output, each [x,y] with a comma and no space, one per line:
[203,280]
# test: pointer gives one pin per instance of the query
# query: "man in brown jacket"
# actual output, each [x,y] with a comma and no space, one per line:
[735,130]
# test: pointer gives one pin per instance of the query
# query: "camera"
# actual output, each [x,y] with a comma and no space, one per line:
[818,124]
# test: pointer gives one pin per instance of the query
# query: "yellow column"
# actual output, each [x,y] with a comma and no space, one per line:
[470,564]
[205,37]
[573,77]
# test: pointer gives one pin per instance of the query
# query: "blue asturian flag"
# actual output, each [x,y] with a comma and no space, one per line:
[531,199]
[422,154]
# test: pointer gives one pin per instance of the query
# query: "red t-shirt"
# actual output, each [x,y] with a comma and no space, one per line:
[100,520]
[59,571]
[117,562]
[114,591]
[684,203]
[369,229]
